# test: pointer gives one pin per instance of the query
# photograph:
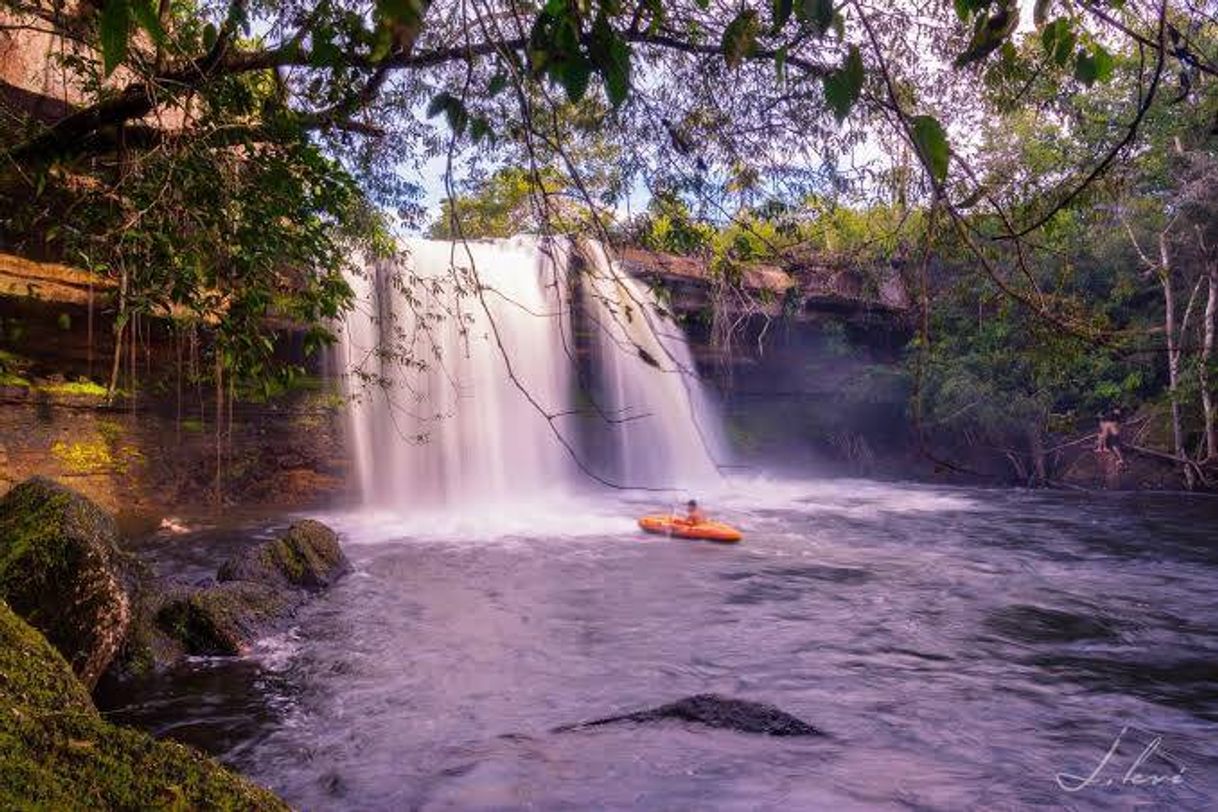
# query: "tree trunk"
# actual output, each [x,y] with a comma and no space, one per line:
[219,428]
[90,339]
[1173,355]
[120,320]
[1207,349]
[1036,450]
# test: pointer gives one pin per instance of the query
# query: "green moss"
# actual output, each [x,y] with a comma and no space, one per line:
[105,453]
[223,619]
[84,457]
[56,752]
[60,569]
[110,431]
[82,388]
[286,557]
[11,379]
[31,525]
[13,369]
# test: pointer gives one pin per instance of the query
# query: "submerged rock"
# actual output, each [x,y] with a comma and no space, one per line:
[716,711]
[225,619]
[61,570]
[307,556]
[56,752]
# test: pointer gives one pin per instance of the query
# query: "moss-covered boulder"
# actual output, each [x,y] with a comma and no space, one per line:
[306,556]
[61,570]
[224,619]
[56,752]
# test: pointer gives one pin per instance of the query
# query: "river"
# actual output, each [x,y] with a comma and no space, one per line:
[962,649]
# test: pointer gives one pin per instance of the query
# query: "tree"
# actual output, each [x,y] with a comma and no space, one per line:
[731,104]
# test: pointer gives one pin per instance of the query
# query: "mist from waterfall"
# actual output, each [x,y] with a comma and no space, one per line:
[469,383]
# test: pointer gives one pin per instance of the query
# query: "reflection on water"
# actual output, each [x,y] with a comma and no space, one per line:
[962,648]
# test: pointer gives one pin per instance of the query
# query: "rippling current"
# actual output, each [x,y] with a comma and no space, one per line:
[962,649]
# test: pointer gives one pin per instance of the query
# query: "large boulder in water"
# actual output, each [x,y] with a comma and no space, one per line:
[224,619]
[56,752]
[716,711]
[258,589]
[306,556]
[61,570]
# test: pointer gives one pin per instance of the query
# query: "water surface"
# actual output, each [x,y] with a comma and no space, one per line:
[962,648]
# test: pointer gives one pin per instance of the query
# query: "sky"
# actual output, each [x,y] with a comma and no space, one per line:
[431,176]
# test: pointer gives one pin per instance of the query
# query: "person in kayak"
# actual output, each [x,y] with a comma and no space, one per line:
[694,514]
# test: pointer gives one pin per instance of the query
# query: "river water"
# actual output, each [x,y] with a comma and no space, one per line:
[962,649]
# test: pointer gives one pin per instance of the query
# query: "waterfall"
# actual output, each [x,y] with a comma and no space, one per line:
[662,428]
[467,381]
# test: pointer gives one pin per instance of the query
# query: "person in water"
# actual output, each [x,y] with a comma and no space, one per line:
[1108,438]
[694,514]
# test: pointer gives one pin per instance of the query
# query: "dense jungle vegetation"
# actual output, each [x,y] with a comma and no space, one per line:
[1042,173]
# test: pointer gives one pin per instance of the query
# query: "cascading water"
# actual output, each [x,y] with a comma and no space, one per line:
[662,427]
[464,384]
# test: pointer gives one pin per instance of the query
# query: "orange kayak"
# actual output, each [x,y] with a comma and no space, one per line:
[679,527]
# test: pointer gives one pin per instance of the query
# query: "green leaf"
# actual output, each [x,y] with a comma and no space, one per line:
[480,129]
[782,12]
[452,108]
[990,32]
[114,25]
[1058,38]
[1092,67]
[324,52]
[967,8]
[382,41]
[438,104]
[740,37]
[574,73]
[815,13]
[1084,68]
[238,17]
[146,18]
[210,35]
[931,142]
[1104,63]
[617,77]
[839,26]
[457,116]
[780,64]
[407,12]
[611,56]
[842,86]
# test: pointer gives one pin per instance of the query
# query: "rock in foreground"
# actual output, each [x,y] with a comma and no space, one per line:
[61,570]
[56,752]
[716,711]
[307,556]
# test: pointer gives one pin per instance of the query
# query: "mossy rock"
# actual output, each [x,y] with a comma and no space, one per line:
[306,556]
[56,752]
[61,570]
[224,619]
